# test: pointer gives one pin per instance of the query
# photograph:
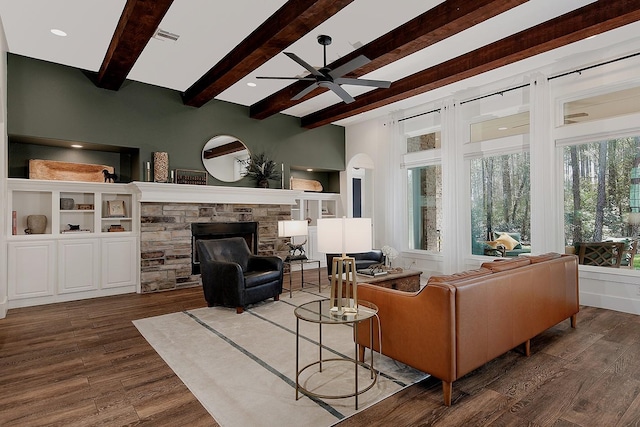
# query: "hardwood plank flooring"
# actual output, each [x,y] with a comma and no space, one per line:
[83,363]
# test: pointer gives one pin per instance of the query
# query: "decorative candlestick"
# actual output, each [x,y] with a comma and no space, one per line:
[147,172]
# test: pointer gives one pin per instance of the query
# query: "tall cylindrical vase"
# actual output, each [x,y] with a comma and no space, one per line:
[160,166]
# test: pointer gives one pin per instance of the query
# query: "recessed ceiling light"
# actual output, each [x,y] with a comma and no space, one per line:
[502,128]
[76,145]
[309,170]
[58,32]
[251,84]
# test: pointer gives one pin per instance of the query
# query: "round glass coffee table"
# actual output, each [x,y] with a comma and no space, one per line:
[320,312]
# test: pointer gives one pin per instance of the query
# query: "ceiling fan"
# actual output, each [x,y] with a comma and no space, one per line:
[331,79]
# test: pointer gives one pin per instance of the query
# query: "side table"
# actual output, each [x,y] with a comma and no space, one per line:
[302,263]
[320,312]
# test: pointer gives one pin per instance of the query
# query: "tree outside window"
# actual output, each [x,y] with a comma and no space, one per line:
[602,183]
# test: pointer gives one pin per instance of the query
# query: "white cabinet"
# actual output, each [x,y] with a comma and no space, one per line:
[119,262]
[78,265]
[31,269]
[88,247]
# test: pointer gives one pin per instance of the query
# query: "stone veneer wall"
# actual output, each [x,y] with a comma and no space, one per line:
[165,237]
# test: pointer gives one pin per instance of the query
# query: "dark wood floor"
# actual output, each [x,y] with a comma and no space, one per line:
[84,363]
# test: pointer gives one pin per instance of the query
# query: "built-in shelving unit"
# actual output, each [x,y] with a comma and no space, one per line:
[88,248]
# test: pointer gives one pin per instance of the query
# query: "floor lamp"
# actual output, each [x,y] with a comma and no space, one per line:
[293,228]
[344,235]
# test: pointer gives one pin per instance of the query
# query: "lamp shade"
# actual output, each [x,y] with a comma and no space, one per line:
[344,235]
[292,228]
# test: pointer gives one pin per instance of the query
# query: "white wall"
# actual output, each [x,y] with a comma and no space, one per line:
[383,141]
[4,222]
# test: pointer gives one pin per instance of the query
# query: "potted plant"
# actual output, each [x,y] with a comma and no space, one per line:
[261,169]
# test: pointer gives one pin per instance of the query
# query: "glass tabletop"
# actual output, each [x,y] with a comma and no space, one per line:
[320,312]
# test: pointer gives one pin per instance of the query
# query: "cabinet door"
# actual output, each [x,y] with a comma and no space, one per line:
[78,265]
[119,262]
[31,269]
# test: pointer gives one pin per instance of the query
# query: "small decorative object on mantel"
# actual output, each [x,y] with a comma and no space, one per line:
[160,166]
[193,177]
[109,176]
[261,169]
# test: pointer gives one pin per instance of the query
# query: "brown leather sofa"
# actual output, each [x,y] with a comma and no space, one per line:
[459,322]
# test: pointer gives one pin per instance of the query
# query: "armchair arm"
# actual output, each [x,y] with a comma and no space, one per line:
[217,276]
[264,263]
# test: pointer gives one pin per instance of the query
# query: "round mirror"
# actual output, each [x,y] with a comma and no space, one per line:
[226,158]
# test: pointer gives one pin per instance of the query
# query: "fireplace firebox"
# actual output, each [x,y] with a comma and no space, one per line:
[220,230]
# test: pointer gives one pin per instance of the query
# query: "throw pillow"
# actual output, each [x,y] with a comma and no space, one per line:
[508,241]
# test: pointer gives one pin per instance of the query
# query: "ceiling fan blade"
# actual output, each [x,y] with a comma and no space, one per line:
[348,99]
[303,63]
[311,79]
[363,82]
[305,91]
[354,64]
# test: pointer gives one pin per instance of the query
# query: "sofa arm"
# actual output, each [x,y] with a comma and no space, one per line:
[418,329]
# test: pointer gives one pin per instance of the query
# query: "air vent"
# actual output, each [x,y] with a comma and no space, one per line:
[165,35]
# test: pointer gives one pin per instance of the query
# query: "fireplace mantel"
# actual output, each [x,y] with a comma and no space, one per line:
[185,193]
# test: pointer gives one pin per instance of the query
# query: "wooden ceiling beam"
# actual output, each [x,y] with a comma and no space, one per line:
[286,26]
[222,150]
[442,21]
[138,22]
[595,18]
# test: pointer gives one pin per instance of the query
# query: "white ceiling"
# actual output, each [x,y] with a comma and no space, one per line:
[209,29]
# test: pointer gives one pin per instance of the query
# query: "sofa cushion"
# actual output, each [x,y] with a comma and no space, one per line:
[506,264]
[450,278]
[508,241]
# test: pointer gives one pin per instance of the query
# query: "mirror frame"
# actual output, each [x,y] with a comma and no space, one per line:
[218,151]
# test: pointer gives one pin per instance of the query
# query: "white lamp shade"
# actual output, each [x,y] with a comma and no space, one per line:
[344,235]
[292,228]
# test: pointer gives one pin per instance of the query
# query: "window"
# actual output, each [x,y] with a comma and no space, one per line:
[428,141]
[602,192]
[515,124]
[598,107]
[500,198]
[425,207]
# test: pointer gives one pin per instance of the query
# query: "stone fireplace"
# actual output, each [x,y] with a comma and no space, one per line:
[167,212]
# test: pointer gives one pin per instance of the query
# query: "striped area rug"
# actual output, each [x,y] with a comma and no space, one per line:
[241,367]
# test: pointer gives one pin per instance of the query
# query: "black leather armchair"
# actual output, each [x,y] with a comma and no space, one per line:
[233,277]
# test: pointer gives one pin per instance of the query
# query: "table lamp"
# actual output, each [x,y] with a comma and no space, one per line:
[294,228]
[344,235]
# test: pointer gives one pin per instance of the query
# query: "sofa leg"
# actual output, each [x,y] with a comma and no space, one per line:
[574,320]
[276,298]
[447,389]
[527,348]
[361,350]
[239,310]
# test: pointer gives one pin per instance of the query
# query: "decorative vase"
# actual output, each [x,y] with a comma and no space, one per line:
[263,183]
[67,203]
[36,224]
[160,166]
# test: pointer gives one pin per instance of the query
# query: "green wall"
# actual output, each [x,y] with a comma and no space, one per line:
[52,101]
